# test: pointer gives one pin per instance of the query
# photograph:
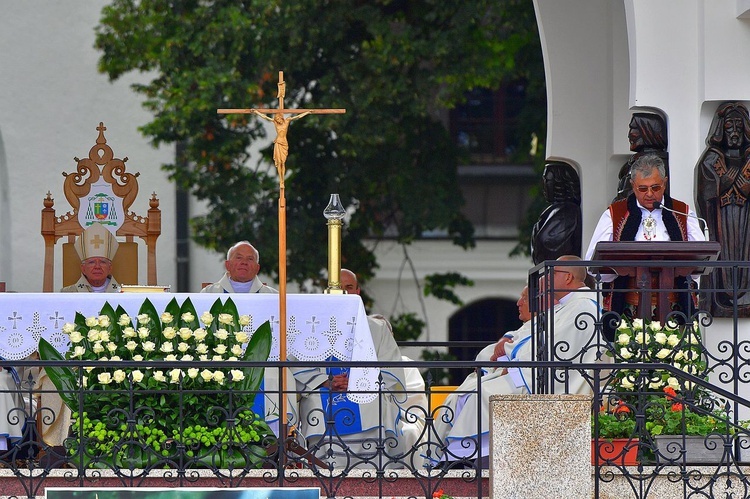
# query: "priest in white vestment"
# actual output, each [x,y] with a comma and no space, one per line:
[359,428]
[457,424]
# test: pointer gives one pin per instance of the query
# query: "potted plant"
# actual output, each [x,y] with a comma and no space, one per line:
[198,416]
[617,442]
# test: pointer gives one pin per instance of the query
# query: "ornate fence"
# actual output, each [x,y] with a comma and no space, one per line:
[654,386]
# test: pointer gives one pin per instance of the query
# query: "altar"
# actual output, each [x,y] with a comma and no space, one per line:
[319,327]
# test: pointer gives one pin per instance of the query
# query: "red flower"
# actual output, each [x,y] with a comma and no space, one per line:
[677,407]
[621,408]
[437,493]
[671,394]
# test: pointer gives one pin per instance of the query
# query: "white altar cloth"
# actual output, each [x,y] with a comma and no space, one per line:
[318,326]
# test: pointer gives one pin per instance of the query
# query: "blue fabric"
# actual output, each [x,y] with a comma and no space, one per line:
[338,407]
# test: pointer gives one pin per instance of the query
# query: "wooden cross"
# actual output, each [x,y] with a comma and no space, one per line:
[280,153]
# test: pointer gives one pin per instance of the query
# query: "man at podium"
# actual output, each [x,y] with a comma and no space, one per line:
[648,214]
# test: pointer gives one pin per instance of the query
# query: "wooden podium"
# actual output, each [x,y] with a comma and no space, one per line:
[640,260]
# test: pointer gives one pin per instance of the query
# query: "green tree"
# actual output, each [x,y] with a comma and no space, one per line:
[395,65]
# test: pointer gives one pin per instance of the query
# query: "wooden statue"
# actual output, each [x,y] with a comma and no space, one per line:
[722,178]
[647,134]
[558,230]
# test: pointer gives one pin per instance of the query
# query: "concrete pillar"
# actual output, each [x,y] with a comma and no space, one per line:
[540,446]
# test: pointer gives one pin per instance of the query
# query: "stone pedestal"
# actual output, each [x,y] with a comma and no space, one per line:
[540,446]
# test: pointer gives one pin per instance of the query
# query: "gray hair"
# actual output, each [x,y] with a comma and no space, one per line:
[243,243]
[645,164]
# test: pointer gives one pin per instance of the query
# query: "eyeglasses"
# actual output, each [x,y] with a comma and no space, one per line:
[656,188]
[95,261]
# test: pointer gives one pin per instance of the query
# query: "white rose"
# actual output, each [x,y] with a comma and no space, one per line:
[663,353]
[237,350]
[78,351]
[115,358]
[85,382]
[97,348]
[690,355]
[159,376]
[187,317]
[104,378]
[244,320]
[103,321]
[203,358]
[623,326]
[642,338]
[166,318]
[226,319]
[625,353]
[138,358]
[93,335]
[673,340]
[186,333]
[104,336]
[200,334]
[143,319]
[68,328]
[222,334]
[119,376]
[143,332]
[623,339]
[625,384]
[111,347]
[218,376]
[148,346]
[92,321]
[124,320]
[220,349]
[76,337]
[232,359]
[137,376]
[202,348]
[673,383]
[183,347]
[166,347]
[131,345]
[129,332]
[237,374]
[679,355]
[206,375]
[241,337]
[174,375]
[689,369]
[694,340]
[88,369]
[207,318]
[660,338]
[186,358]
[655,326]
[638,323]
[217,358]
[169,333]
[655,385]
[193,372]
[171,358]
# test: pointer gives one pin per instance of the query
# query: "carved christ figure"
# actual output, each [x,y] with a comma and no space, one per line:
[280,143]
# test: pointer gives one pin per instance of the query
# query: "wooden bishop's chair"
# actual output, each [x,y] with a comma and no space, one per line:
[100,190]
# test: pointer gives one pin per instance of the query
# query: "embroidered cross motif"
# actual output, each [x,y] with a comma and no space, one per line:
[57,318]
[97,241]
[15,317]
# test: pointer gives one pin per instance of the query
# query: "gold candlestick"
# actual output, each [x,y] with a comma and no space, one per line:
[334,213]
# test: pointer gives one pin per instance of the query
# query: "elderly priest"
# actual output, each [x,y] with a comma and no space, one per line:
[96,247]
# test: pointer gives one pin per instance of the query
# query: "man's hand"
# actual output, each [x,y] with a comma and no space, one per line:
[500,347]
[339,383]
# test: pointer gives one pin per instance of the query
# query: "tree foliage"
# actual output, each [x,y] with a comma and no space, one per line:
[395,65]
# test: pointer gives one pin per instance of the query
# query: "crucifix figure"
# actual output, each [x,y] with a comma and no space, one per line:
[280,143]
[280,153]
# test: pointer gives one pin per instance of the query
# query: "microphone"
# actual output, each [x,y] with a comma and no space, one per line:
[659,204]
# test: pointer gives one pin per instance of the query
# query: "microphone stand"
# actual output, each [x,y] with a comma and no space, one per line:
[659,204]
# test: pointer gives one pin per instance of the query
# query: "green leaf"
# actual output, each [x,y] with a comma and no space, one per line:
[231,309]
[62,377]
[257,350]
[155,323]
[187,307]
